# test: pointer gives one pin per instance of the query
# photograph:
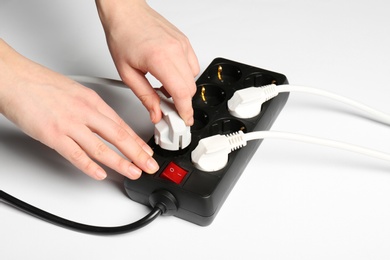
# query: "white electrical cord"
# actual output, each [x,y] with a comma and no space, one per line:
[247,102]
[98,81]
[317,140]
[211,154]
[373,113]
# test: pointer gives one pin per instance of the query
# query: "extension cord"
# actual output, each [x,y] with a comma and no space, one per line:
[191,193]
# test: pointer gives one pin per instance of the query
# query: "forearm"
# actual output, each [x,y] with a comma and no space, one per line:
[16,73]
[8,63]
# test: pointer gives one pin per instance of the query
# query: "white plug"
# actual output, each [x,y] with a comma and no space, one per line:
[211,153]
[247,102]
[171,133]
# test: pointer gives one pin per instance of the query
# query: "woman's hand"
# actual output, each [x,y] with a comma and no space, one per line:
[70,118]
[141,41]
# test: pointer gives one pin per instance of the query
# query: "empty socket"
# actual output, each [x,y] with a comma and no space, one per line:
[224,73]
[258,80]
[227,126]
[208,95]
[201,119]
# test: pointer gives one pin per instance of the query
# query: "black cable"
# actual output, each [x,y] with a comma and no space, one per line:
[157,210]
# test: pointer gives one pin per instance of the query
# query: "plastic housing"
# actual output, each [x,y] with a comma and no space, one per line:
[200,195]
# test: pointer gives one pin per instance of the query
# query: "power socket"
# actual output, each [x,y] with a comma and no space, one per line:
[187,192]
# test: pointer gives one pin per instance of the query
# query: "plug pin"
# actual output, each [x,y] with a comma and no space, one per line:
[219,73]
[202,94]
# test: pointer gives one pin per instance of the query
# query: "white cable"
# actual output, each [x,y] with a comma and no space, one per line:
[98,81]
[211,154]
[319,141]
[373,113]
[246,103]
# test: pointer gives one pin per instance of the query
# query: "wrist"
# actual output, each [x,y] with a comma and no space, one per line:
[5,73]
[16,73]
[110,11]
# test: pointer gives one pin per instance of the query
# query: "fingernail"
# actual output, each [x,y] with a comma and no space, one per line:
[134,172]
[100,174]
[152,165]
[190,121]
[147,149]
[152,115]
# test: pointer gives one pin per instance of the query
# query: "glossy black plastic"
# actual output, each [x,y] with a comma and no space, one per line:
[201,194]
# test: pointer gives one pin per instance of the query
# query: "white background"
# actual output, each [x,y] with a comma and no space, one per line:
[294,200]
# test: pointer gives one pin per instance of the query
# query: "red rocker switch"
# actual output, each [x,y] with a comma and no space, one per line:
[173,173]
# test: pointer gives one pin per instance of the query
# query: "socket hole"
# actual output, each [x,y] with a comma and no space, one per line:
[200,120]
[227,126]
[224,73]
[209,95]
[258,80]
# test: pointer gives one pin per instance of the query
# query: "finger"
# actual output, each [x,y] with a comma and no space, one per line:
[91,147]
[192,59]
[141,87]
[194,64]
[111,114]
[176,77]
[188,52]
[121,139]
[101,152]
[72,152]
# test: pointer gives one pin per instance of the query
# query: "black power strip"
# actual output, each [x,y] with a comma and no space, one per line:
[185,191]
